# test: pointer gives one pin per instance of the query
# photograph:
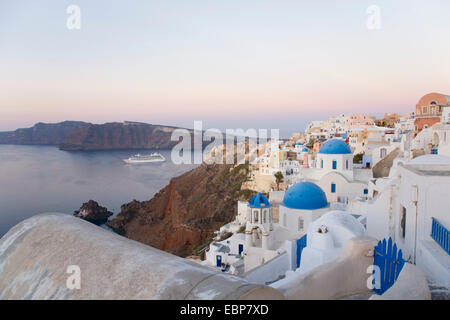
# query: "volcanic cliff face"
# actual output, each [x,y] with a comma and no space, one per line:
[74,135]
[41,133]
[184,215]
[128,135]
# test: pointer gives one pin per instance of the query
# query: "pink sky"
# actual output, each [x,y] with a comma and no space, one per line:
[270,64]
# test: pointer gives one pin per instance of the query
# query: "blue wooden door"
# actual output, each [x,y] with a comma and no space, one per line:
[241,248]
[390,263]
[301,244]
[219,261]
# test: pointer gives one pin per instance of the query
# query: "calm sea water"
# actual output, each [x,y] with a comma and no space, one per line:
[37,179]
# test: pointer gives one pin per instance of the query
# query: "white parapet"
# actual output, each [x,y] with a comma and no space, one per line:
[49,255]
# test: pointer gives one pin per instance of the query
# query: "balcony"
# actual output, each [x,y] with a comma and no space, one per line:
[440,234]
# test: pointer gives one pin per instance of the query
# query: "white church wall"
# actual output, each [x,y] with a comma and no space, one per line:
[256,256]
[378,215]
[344,189]
[270,271]
[290,219]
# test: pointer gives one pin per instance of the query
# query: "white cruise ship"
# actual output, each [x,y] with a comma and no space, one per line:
[154,157]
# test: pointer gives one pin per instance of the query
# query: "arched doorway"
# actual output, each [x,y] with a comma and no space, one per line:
[435,140]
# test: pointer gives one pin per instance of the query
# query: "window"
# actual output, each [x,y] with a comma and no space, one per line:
[255,216]
[382,152]
[300,224]
[346,164]
[334,164]
[321,163]
[333,188]
[425,110]
[403,223]
[264,215]
[366,191]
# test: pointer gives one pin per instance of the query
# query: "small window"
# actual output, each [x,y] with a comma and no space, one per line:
[403,223]
[255,216]
[321,163]
[425,110]
[333,188]
[366,191]
[346,164]
[300,224]
[334,164]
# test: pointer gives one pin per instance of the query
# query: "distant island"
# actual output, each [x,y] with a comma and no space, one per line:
[78,135]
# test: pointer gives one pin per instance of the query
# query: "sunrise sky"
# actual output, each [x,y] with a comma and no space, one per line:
[234,63]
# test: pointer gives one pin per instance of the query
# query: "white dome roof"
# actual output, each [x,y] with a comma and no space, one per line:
[341,225]
[431,159]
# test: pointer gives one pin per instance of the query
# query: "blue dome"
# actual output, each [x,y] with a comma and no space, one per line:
[258,201]
[335,146]
[305,196]
[305,150]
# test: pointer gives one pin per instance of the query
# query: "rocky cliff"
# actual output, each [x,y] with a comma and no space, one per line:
[127,135]
[91,211]
[41,133]
[74,135]
[183,216]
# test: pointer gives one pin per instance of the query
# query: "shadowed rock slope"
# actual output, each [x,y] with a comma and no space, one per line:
[183,216]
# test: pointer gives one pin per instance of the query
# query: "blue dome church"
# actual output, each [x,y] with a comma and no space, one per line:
[334,173]
[302,204]
[335,155]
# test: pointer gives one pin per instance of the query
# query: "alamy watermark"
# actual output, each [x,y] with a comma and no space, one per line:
[235,147]
[74,280]
[74,20]
[373,21]
[374,280]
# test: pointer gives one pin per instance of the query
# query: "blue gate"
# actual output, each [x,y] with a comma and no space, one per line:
[301,244]
[390,263]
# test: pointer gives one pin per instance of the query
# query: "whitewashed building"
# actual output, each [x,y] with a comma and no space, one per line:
[407,205]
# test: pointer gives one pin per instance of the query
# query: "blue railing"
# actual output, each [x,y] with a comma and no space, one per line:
[441,235]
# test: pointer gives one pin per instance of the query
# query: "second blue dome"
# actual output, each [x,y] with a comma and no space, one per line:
[335,146]
[305,196]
